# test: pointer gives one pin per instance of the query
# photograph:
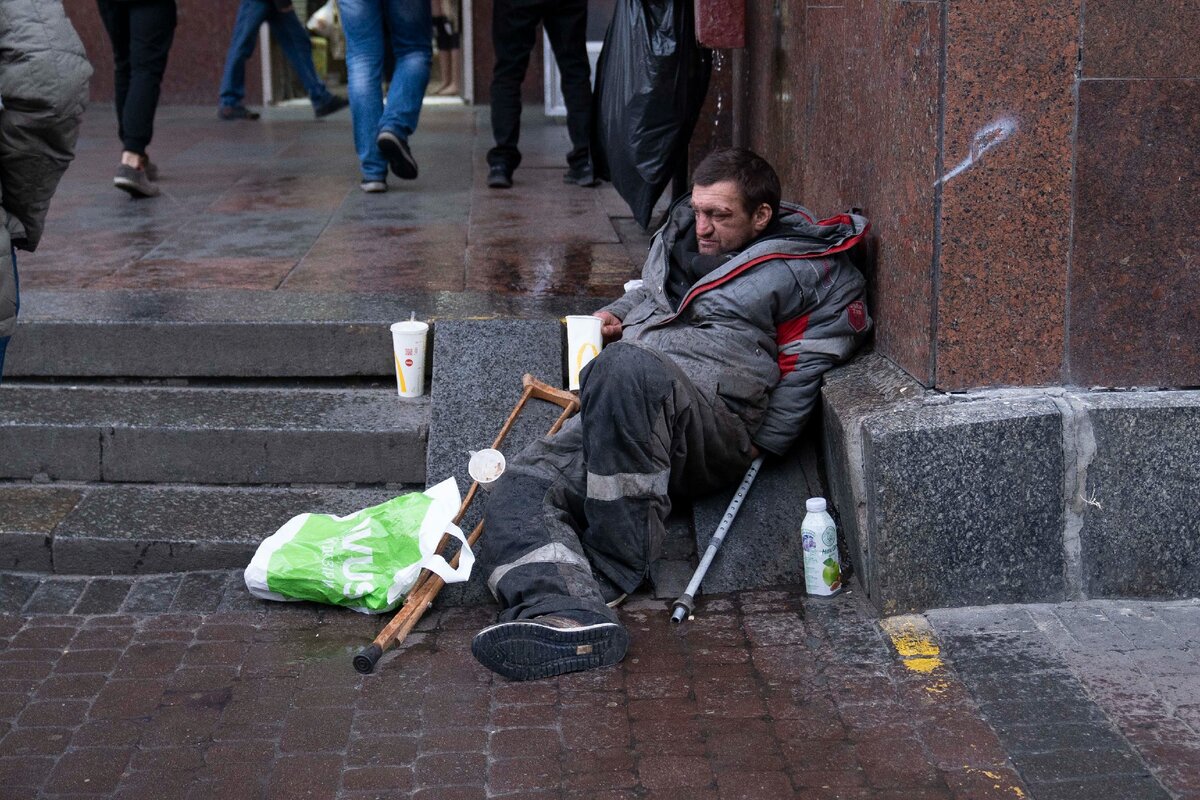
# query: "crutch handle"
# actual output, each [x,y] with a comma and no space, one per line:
[544,391]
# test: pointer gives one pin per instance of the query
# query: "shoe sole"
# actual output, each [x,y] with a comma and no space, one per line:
[134,188]
[588,183]
[402,163]
[523,651]
[498,184]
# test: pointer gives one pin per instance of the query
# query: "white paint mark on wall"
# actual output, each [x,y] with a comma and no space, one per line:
[985,139]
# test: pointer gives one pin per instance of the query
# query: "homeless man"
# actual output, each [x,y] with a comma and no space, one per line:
[744,303]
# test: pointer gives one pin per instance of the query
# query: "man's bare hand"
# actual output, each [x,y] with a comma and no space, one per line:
[610,326]
[754,452]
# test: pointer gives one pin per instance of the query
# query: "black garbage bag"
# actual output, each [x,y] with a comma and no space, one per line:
[650,84]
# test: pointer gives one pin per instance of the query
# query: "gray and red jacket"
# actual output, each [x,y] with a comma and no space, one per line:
[760,330]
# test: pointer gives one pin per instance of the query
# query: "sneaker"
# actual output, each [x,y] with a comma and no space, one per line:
[373,187]
[546,646]
[135,181]
[499,177]
[331,105]
[581,176]
[398,156]
[151,169]
[612,594]
[236,112]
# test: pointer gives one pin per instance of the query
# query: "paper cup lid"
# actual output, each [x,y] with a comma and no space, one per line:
[410,326]
[486,465]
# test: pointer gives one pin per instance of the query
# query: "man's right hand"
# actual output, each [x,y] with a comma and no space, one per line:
[610,326]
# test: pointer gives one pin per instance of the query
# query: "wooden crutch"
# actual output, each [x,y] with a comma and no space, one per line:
[421,596]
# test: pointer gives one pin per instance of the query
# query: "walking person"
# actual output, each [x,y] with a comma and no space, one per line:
[141,32]
[514,32]
[292,37]
[381,135]
[43,89]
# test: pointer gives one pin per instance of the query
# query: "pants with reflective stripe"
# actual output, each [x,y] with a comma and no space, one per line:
[595,496]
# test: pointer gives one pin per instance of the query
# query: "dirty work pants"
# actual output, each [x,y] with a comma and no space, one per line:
[141,32]
[514,33]
[595,496]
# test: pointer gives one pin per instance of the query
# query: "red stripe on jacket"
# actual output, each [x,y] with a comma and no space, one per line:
[785,334]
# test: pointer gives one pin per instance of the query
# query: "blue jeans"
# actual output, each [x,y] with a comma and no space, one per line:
[407,23]
[17,292]
[290,34]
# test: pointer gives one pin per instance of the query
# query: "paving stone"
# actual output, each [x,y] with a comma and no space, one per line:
[152,593]
[55,596]
[15,590]
[104,596]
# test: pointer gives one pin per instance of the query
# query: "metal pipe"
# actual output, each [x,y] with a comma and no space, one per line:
[686,602]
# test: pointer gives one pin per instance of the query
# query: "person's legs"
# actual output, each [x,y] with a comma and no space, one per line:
[566,27]
[648,433]
[151,31]
[362,21]
[409,22]
[296,45]
[514,31]
[250,16]
[115,16]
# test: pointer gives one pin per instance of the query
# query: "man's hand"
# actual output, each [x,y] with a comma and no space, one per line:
[754,452]
[610,326]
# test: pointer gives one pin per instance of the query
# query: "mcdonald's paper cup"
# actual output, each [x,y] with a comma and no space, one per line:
[583,344]
[408,345]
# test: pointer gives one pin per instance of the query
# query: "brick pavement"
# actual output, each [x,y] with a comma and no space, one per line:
[185,687]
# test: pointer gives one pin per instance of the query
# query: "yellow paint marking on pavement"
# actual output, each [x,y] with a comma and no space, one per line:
[1000,783]
[914,642]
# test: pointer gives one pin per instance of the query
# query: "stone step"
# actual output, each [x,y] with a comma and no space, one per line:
[211,435]
[238,333]
[133,529]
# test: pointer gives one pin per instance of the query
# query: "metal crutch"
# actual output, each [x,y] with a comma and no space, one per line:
[687,601]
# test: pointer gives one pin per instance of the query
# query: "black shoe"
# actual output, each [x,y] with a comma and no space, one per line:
[612,594]
[332,105]
[398,156]
[581,176]
[499,177]
[547,646]
[236,112]
[135,181]
[151,169]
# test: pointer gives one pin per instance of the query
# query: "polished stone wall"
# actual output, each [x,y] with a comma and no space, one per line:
[193,75]
[1029,170]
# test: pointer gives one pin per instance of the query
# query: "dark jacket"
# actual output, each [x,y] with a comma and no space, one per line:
[43,88]
[758,331]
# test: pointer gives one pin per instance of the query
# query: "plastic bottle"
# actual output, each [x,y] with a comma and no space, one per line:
[822,569]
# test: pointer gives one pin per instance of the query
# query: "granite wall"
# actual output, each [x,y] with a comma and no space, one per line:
[1029,170]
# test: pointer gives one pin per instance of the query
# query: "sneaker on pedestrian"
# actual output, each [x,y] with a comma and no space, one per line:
[550,645]
[150,168]
[135,181]
[398,156]
[236,112]
[581,176]
[330,105]
[373,187]
[499,177]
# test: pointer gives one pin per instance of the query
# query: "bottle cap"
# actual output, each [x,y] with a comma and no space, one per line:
[815,504]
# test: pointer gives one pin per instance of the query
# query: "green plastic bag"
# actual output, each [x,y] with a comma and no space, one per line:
[368,560]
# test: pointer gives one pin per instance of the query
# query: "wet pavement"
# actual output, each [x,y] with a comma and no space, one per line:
[275,205]
[183,686]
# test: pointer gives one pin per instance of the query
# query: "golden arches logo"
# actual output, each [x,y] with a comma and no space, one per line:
[400,374]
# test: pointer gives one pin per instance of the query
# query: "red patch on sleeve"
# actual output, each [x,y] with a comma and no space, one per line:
[856,315]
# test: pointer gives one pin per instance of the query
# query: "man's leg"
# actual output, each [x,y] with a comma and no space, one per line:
[362,20]
[296,45]
[514,28]
[410,23]
[566,27]
[250,16]
[16,287]
[151,30]
[648,433]
[553,618]
[115,16]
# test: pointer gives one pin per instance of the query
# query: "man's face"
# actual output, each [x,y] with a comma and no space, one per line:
[723,224]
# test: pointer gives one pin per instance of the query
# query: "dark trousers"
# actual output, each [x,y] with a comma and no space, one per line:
[16,308]
[594,497]
[141,32]
[514,31]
